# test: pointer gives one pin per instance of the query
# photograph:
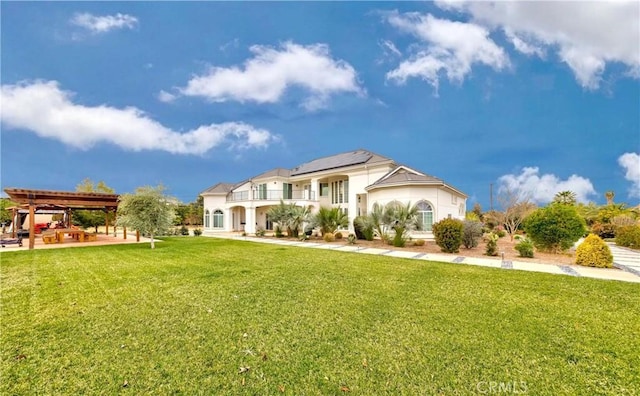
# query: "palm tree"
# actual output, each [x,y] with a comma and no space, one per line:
[330,219]
[402,219]
[565,198]
[289,216]
[609,196]
[377,220]
[298,215]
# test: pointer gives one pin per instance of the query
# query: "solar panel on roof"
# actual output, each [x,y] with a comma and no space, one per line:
[332,162]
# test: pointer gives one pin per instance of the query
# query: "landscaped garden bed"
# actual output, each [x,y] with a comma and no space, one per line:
[504,245]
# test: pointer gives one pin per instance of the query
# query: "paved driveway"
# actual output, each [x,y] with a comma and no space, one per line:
[626,259]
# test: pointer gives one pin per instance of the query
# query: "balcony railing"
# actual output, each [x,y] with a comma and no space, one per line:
[272,195]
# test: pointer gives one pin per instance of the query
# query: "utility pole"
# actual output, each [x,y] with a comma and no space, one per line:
[491,197]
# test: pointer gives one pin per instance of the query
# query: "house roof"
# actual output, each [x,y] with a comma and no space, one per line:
[350,158]
[220,188]
[277,172]
[403,175]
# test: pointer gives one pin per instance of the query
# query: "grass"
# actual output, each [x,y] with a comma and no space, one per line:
[185,317]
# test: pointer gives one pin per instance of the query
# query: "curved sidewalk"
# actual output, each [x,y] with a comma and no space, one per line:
[626,261]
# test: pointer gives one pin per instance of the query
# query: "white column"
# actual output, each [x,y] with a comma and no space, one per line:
[250,227]
[227,220]
[314,189]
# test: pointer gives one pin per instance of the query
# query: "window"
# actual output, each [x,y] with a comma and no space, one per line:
[324,189]
[218,219]
[287,191]
[454,199]
[340,191]
[206,219]
[462,211]
[262,191]
[425,215]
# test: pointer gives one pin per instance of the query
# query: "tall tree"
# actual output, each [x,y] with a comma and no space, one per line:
[609,197]
[92,218]
[516,207]
[6,215]
[148,211]
[565,198]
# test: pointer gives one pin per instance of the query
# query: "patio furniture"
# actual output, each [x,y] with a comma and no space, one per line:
[11,241]
[49,237]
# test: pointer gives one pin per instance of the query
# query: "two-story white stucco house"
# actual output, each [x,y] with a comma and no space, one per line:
[353,181]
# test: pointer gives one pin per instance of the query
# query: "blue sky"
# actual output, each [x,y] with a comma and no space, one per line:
[535,96]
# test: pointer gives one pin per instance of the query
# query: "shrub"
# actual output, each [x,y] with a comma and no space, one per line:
[594,252]
[364,228]
[603,230]
[554,228]
[471,233]
[628,236]
[623,220]
[492,244]
[330,219]
[197,232]
[260,232]
[338,235]
[351,239]
[184,230]
[278,232]
[419,242]
[328,237]
[448,234]
[525,247]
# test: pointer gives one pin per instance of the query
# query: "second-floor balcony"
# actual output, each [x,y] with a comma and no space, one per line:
[271,195]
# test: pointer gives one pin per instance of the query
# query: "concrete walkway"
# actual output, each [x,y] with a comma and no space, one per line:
[626,261]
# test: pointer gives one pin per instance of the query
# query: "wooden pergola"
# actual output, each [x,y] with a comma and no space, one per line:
[60,200]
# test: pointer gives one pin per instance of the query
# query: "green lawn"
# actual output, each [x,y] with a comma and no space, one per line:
[185,317]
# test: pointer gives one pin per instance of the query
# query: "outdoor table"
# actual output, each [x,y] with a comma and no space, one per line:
[78,234]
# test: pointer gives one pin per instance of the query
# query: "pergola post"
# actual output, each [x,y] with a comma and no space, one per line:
[14,220]
[32,223]
[106,221]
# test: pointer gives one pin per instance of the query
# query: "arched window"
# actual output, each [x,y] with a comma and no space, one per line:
[218,219]
[206,219]
[425,215]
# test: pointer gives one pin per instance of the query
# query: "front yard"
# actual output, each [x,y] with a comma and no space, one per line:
[210,316]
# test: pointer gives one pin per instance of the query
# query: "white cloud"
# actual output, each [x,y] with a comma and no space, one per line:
[166,97]
[265,77]
[586,35]
[543,188]
[631,164]
[527,46]
[43,108]
[105,23]
[447,46]
[389,49]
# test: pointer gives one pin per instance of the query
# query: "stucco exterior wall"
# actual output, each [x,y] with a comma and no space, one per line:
[441,200]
